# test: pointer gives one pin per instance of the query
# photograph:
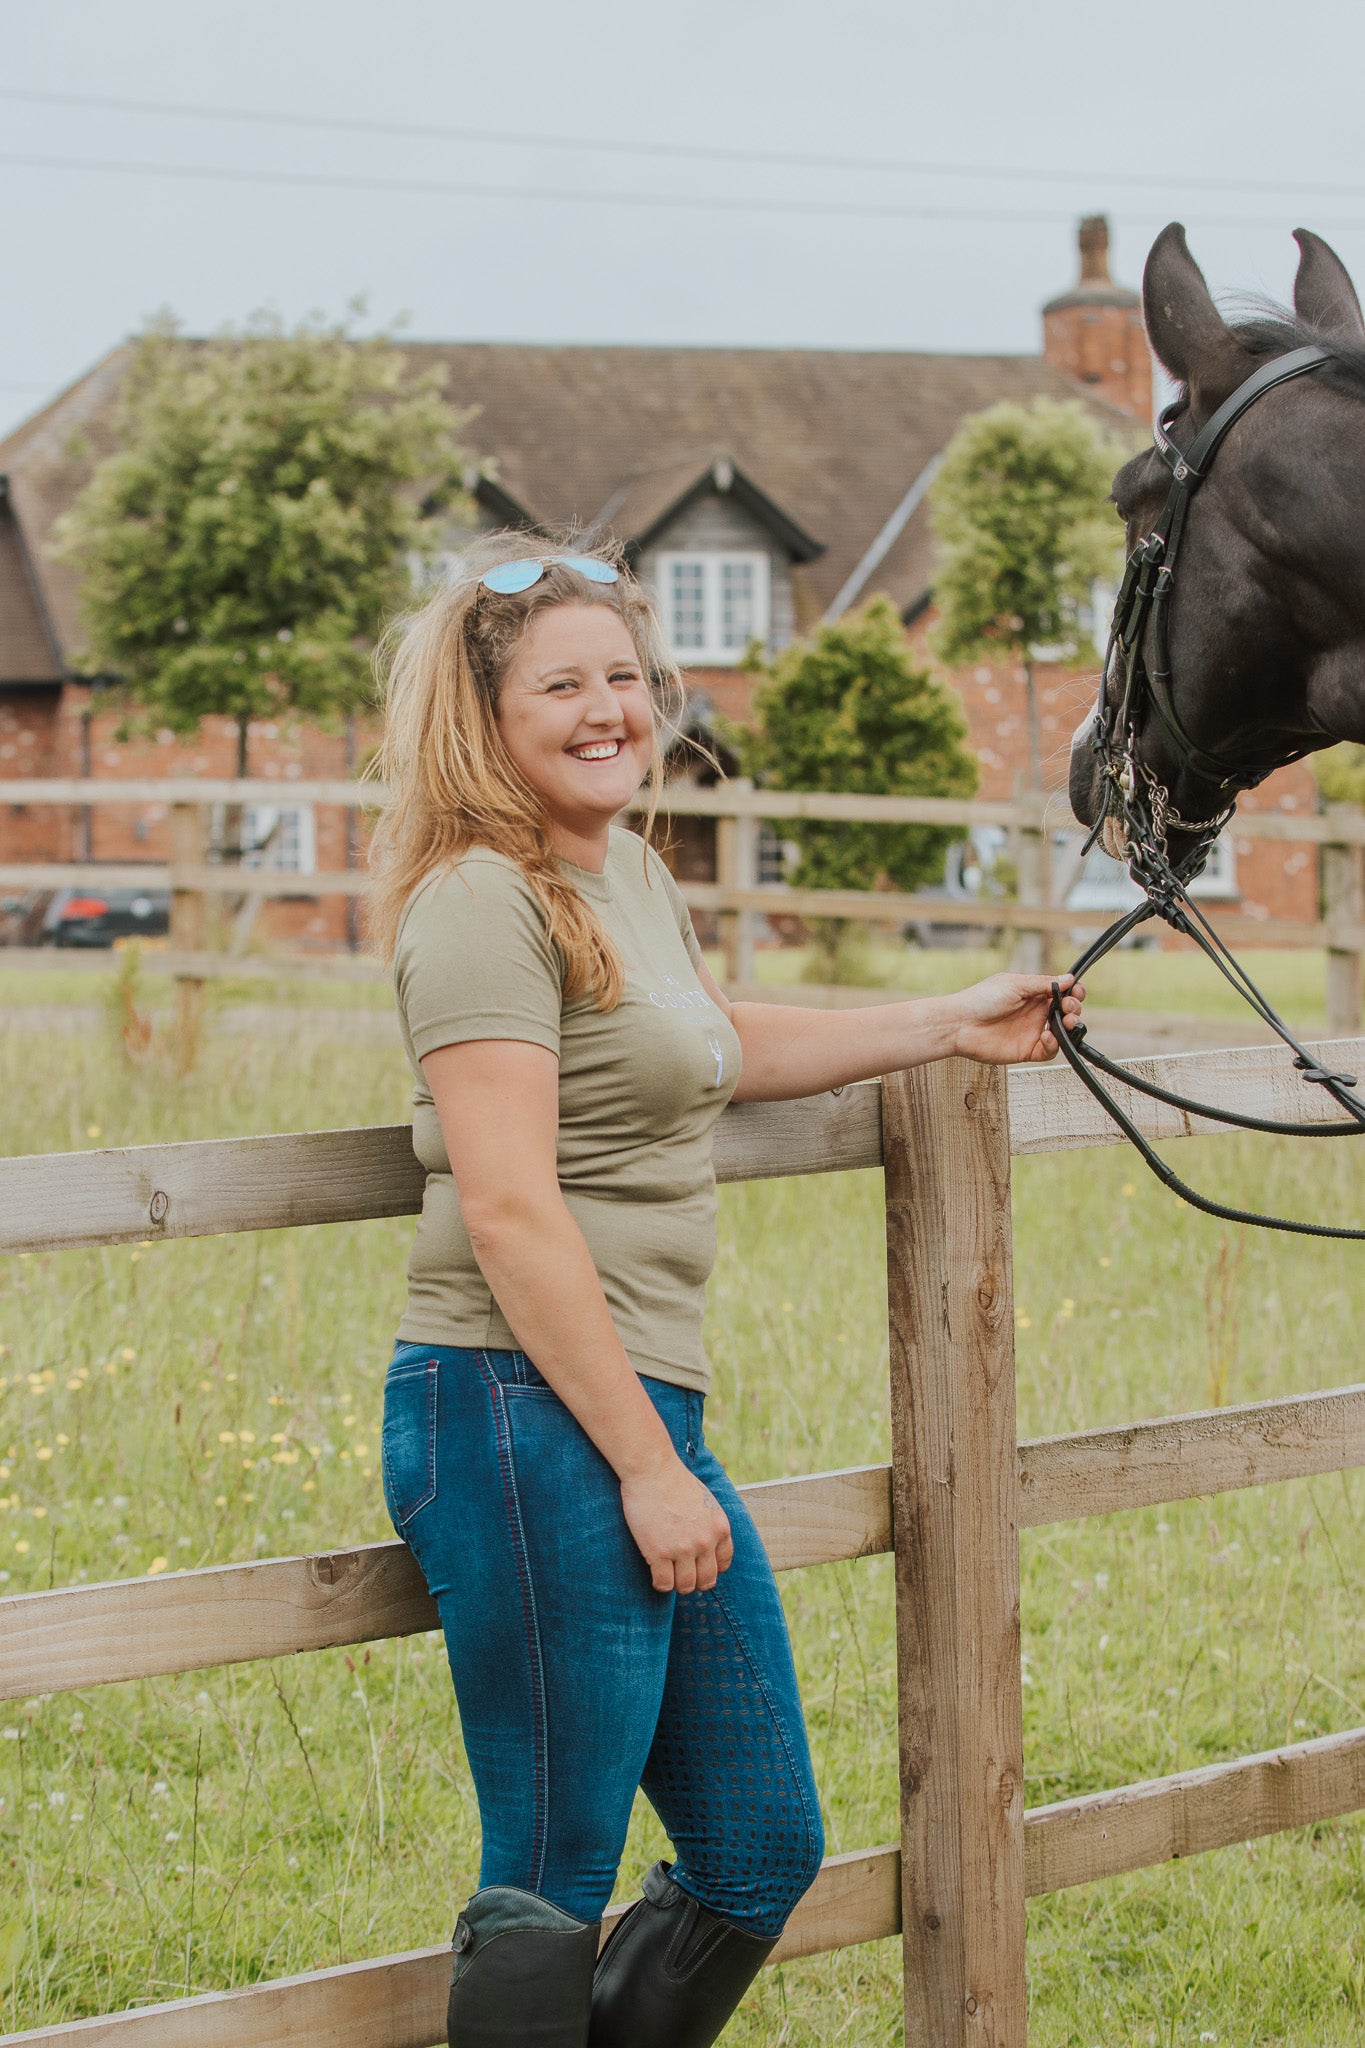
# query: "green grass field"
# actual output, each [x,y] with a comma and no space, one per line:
[195,1402]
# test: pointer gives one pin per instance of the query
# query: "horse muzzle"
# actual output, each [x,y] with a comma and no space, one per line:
[1085,777]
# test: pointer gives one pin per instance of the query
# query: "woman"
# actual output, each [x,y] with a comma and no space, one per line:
[609,1612]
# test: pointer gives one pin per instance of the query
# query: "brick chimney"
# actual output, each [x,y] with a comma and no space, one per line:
[1094,332]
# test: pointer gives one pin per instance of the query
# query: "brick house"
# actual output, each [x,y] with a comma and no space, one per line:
[760,491]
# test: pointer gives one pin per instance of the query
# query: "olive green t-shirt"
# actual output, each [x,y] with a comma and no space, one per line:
[640,1089]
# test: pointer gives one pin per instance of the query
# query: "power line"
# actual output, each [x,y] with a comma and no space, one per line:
[693,202]
[692,152]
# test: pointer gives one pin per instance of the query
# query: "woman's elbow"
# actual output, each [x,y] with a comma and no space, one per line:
[499,1216]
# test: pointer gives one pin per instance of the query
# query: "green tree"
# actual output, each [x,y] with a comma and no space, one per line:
[849,710]
[258,519]
[1340,773]
[1024,529]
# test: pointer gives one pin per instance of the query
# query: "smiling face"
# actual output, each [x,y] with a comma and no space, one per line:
[575,714]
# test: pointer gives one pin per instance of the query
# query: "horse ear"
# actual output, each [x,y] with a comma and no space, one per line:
[1186,329]
[1323,293]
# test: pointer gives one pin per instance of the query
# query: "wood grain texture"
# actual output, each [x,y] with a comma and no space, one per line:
[1051,1111]
[826,1133]
[54,1201]
[955,1486]
[1179,1457]
[855,1898]
[392,2002]
[1103,1833]
[80,1636]
[400,2001]
[50,1201]
[824,1519]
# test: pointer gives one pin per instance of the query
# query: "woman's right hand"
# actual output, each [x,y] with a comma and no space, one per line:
[680,1528]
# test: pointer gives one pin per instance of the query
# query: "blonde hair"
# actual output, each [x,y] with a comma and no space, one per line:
[451,783]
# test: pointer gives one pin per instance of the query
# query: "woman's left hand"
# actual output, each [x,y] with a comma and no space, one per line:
[1005,1019]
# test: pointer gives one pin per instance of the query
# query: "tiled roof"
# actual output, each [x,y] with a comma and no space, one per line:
[831,440]
[833,437]
[47,461]
[27,651]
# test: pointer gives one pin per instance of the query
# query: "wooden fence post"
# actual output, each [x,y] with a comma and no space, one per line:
[1343,902]
[1032,949]
[956,1513]
[737,868]
[188,933]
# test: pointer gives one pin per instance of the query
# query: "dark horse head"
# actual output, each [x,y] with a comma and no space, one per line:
[1265,624]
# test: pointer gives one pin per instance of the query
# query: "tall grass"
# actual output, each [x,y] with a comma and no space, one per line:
[180,1404]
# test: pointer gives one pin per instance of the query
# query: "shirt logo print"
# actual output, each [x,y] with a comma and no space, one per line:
[676,997]
[718,1055]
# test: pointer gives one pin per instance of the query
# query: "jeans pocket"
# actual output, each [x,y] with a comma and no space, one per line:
[408,1441]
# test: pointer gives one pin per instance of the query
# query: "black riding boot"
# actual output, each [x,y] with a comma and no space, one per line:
[671,1972]
[522,1975]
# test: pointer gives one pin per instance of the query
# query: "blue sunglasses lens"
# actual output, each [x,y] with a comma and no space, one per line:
[509,577]
[589,566]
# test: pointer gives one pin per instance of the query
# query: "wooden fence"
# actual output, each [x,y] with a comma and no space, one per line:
[949,1506]
[736,896]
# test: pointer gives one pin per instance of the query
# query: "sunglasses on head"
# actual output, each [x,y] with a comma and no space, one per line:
[507,578]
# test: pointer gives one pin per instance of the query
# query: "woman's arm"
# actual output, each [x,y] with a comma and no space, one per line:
[498,1102]
[790,1051]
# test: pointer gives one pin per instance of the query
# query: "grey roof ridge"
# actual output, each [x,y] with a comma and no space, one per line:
[881,547]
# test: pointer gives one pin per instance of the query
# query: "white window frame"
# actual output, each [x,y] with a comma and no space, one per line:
[712,654]
[259,820]
[773,859]
[1218,883]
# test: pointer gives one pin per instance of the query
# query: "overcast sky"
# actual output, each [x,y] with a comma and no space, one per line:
[849,174]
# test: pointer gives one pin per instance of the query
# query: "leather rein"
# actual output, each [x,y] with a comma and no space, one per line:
[1142,806]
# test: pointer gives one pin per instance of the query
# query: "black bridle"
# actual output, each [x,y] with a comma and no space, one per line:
[1141,615]
[1142,807]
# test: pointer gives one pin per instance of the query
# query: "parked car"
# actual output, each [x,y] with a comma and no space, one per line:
[91,917]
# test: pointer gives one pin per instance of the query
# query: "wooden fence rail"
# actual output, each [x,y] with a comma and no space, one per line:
[124,1629]
[948,1508]
[736,896]
[737,798]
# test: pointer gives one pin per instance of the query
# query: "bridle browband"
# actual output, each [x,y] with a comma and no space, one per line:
[1142,806]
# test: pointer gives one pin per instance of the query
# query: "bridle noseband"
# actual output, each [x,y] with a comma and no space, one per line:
[1141,612]
[1142,805]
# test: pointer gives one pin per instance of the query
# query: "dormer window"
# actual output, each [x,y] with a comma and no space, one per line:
[714,605]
